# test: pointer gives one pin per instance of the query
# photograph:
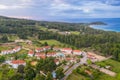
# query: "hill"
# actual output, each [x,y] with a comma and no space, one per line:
[105,42]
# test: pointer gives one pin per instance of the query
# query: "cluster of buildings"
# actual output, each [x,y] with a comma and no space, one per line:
[11,51]
[60,54]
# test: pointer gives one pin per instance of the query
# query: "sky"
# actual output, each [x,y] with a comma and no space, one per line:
[60,10]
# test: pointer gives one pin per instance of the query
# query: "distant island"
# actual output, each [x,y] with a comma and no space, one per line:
[97,23]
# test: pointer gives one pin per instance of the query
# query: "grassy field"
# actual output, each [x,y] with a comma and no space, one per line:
[76,76]
[115,66]
[4,48]
[22,51]
[43,28]
[12,37]
[51,42]
[56,43]
[75,32]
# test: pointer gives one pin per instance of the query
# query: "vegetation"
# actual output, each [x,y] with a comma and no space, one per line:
[92,74]
[28,72]
[43,33]
[106,42]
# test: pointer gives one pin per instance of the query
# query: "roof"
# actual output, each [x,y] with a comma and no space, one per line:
[51,53]
[39,49]
[38,54]
[31,52]
[66,49]
[69,58]
[76,51]
[41,55]
[18,62]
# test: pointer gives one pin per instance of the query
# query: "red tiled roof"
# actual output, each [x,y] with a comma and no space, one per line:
[37,54]
[69,59]
[31,52]
[76,51]
[43,57]
[18,62]
[66,49]
[51,53]
[39,49]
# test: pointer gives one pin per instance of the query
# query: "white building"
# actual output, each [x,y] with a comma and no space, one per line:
[39,50]
[16,63]
[77,52]
[66,50]
[31,53]
[16,49]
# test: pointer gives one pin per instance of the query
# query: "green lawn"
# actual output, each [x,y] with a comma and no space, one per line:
[75,32]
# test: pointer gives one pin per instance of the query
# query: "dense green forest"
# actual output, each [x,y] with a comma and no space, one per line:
[106,42]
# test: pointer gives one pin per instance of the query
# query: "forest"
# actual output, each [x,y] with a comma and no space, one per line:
[106,42]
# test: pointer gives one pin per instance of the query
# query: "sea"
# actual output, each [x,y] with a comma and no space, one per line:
[113,24]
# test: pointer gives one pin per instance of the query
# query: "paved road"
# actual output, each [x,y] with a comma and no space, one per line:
[69,71]
[82,61]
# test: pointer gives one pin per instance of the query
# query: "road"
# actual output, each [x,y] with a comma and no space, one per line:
[69,71]
[82,61]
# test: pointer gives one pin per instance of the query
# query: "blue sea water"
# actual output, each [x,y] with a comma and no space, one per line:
[113,24]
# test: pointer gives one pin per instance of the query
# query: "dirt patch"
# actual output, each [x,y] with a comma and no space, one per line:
[98,57]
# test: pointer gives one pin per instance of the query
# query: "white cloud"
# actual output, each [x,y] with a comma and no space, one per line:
[13,4]
[21,17]
[85,9]
[4,7]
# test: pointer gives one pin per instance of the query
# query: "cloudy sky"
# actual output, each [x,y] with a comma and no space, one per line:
[60,9]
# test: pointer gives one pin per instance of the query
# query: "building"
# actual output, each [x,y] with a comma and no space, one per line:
[51,54]
[46,48]
[60,55]
[40,55]
[39,50]
[14,50]
[66,50]
[57,62]
[16,63]
[31,53]
[71,60]
[56,48]
[77,52]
